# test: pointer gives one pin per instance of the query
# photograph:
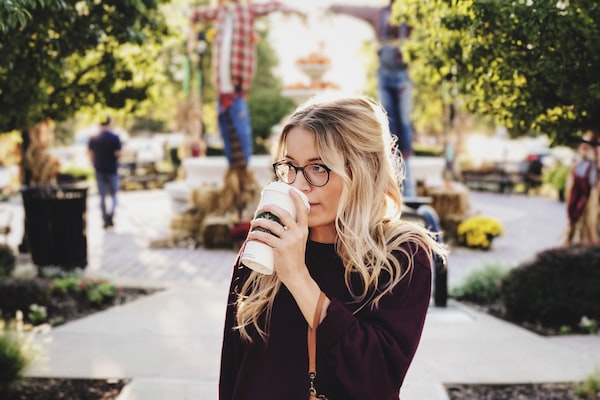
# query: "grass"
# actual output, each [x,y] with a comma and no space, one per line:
[13,358]
[482,285]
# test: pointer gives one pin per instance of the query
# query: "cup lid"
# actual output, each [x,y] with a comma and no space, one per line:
[284,188]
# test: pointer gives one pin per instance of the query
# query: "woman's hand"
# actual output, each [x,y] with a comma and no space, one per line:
[289,247]
[288,238]
[290,252]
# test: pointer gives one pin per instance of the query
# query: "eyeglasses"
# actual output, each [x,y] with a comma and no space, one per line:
[315,174]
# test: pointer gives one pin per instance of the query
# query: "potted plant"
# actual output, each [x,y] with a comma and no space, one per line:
[479,231]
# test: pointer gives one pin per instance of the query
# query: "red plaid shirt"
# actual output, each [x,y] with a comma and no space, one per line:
[243,52]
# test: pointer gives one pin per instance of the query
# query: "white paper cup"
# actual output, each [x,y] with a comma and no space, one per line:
[257,255]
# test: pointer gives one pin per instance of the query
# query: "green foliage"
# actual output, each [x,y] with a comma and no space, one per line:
[588,325]
[147,124]
[266,104]
[60,56]
[15,14]
[79,172]
[96,291]
[559,287]
[424,150]
[19,294]
[565,330]
[13,360]
[557,176]
[590,387]
[481,285]
[37,314]
[529,65]
[8,261]
[49,299]
[65,285]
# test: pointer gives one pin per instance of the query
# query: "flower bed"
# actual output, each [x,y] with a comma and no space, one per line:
[57,302]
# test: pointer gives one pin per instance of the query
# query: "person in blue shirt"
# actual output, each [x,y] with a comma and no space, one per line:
[104,150]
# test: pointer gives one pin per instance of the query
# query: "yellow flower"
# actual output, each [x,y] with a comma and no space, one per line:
[478,231]
[210,34]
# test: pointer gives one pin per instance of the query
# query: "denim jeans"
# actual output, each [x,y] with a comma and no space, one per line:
[395,94]
[108,185]
[236,117]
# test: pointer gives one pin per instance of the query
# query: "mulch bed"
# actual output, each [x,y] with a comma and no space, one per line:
[64,389]
[498,310]
[533,391]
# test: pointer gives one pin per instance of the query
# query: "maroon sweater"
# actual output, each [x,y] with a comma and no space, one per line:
[359,356]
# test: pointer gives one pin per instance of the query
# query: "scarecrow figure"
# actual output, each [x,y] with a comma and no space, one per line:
[393,82]
[234,63]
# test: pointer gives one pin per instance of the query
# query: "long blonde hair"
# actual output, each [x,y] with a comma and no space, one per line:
[351,134]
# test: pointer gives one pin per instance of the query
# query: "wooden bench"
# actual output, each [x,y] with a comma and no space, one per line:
[496,179]
[142,174]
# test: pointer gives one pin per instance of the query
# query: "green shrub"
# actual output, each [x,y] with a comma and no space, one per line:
[13,360]
[481,286]
[557,288]
[37,314]
[66,285]
[19,294]
[8,261]
[590,387]
[96,291]
[424,150]
[99,291]
[588,325]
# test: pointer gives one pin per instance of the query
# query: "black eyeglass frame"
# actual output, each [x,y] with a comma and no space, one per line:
[298,168]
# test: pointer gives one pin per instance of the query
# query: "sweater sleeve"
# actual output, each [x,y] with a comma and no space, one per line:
[370,352]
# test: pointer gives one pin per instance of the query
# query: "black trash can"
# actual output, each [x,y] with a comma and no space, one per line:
[55,224]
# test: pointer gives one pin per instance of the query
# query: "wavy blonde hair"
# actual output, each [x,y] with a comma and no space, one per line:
[352,134]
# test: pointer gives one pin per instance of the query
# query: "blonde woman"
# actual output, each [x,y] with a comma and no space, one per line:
[373,268]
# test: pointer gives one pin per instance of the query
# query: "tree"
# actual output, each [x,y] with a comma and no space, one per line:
[14,13]
[61,55]
[266,104]
[532,65]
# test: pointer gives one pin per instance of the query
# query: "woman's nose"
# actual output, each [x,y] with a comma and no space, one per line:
[301,183]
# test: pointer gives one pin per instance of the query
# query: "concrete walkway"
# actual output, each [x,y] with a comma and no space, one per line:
[169,343]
